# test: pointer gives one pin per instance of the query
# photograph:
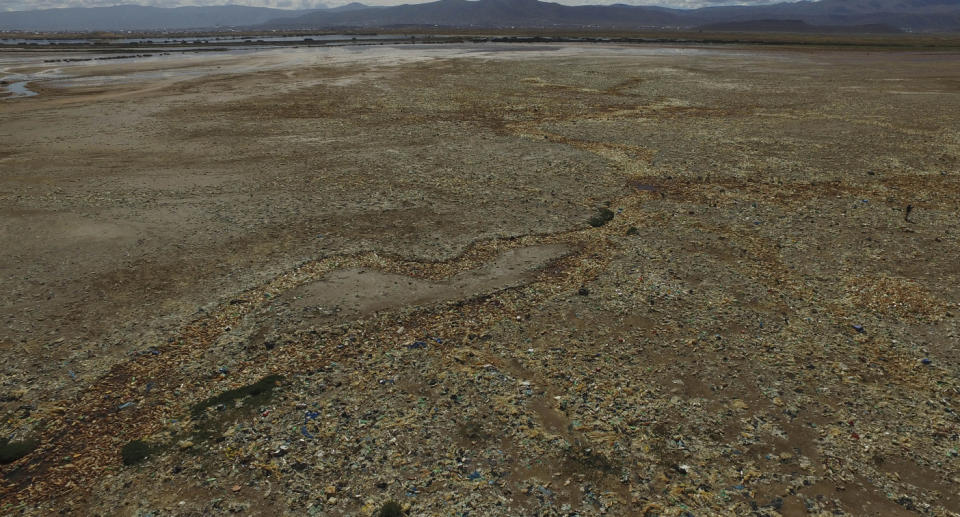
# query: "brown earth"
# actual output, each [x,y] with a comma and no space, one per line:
[402,234]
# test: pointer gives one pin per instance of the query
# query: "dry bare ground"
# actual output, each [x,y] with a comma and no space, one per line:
[411,248]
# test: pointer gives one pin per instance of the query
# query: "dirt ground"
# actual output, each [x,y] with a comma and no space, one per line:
[406,244]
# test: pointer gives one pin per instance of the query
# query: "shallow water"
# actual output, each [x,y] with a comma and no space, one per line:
[17,83]
[18,41]
[19,89]
[23,68]
[211,39]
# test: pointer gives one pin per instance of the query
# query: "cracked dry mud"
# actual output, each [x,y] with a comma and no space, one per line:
[399,235]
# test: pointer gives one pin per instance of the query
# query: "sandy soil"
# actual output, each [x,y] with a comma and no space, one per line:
[403,234]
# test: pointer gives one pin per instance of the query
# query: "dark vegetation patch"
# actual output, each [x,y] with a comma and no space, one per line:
[210,426]
[473,430]
[586,459]
[390,509]
[135,452]
[602,217]
[13,451]
[260,391]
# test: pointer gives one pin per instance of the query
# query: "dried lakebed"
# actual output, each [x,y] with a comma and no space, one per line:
[359,292]
[472,280]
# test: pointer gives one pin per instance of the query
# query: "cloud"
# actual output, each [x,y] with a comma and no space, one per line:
[23,5]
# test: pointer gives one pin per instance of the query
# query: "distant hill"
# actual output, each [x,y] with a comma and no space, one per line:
[796,26]
[353,6]
[489,14]
[135,17]
[825,15]
[918,15]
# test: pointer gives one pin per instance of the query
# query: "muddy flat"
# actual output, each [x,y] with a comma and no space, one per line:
[480,279]
[358,292]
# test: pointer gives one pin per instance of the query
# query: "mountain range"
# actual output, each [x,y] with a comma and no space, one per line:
[142,18]
[916,15]
[490,14]
[139,18]
[804,16]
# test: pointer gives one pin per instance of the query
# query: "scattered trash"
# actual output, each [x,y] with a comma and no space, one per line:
[149,351]
[646,394]
[307,417]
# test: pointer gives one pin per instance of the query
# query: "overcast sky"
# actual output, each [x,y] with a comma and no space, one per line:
[21,5]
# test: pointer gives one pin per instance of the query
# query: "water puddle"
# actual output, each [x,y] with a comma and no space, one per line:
[206,40]
[16,89]
[15,81]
